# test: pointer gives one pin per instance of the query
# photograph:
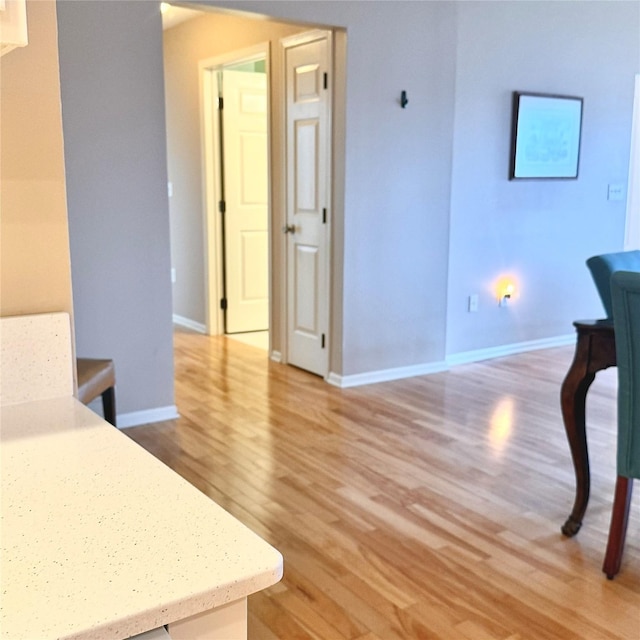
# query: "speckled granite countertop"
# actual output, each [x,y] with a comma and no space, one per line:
[101,540]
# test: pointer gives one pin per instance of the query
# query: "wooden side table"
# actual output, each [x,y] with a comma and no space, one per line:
[98,378]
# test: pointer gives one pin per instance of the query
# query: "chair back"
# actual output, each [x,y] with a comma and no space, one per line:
[625,293]
[603,266]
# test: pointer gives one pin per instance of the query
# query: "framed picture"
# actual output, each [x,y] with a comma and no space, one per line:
[545,136]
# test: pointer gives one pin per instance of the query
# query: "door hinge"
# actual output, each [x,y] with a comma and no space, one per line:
[326,80]
[222,206]
[223,304]
[324,216]
[323,340]
[221,103]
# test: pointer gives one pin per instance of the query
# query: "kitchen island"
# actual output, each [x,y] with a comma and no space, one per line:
[101,540]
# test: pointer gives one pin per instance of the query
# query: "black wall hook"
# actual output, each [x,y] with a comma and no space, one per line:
[404,101]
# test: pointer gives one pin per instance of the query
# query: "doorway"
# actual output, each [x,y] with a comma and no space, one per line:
[201,288]
[236,166]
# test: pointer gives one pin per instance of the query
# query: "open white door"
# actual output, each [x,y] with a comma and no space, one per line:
[246,236]
[308,131]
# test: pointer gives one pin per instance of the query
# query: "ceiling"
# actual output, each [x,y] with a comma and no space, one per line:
[172,15]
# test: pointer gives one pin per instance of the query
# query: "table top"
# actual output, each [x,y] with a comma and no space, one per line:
[604,325]
[102,540]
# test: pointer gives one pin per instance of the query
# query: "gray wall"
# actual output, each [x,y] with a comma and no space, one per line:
[114,135]
[398,168]
[423,231]
[429,214]
[539,231]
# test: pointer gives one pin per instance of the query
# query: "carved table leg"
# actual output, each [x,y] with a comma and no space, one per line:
[573,400]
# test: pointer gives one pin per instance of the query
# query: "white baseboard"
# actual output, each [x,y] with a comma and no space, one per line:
[181,321]
[386,375]
[276,356]
[136,418]
[510,349]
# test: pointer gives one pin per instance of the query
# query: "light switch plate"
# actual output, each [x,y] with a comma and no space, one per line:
[615,192]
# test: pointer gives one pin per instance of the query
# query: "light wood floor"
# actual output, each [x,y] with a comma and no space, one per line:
[424,508]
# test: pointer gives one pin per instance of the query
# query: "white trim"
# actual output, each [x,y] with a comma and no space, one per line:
[632,232]
[385,375]
[252,53]
[136,418]
[510,349]
[181,321]
[305,37]
[211,188]
[276,356]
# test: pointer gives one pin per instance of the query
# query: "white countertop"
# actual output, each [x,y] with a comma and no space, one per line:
[102,540]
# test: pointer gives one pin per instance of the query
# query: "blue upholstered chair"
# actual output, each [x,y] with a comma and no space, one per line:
[625,297]
[603,266]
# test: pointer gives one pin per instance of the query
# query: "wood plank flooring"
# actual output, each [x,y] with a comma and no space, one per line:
[422,508]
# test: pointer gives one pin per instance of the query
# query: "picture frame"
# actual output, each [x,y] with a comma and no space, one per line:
[546,133]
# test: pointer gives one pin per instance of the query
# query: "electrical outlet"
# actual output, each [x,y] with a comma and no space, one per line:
[473,303]
[173,274]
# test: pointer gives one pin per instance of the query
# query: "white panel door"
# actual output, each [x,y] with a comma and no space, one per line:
[308,100]
[246,236]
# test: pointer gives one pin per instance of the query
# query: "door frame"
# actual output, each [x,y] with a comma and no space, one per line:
[277,255]
[632,231]
[210,137]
